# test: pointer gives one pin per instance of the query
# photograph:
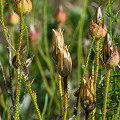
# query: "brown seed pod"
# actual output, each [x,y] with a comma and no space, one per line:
[110,53]
[87,96]
[27,6]
[57,42]
[94,25]
[64,62]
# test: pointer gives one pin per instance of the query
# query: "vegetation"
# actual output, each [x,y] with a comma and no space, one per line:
[59,60]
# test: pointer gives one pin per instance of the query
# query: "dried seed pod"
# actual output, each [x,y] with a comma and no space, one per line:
[64,62]
[110,53]
[27,6]
[87,96]
[94,25]
[57,42]
[12,18]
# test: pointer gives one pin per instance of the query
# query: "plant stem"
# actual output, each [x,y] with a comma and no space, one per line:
[4,28]
[96,73]
[45,29]
[41,69]
[20,41]
[110,29]
[106,92]
[17,96]
[65,97]
[28,84]
[60,95]
[79,47]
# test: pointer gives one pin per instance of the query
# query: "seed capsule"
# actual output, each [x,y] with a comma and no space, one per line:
[87,96]
[110,53]
[57,42]
[27,6]
[94,25]
[64,62]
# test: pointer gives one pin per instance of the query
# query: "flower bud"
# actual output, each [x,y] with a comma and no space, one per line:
[110,53]
[87,95]
[27,6]
[33,34]
[64,62]
[57,42]
[60,17]
[12,18]
[94,25]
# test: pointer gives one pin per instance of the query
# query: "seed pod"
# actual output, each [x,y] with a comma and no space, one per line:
[64,62]
[87,96]
[27,6]
[57,42]
[94,25]
[110,53]
[12,18]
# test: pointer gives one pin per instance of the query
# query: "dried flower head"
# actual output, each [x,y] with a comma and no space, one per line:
[87,95]
[94,25]
[57,42]
[110,53]
[12,18]
[64,62]
[27,6]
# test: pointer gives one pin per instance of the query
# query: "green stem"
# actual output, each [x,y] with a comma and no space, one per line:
[96,73]
[4,28]
[60,95]
[110,19]
[20,41]
[28,84]
[17,97]
[65,97]
[106,92]
[19,62]
[79,48]
[45,28]
[41,70]
[12,35]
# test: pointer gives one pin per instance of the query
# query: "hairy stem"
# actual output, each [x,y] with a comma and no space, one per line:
[4,28]
[65,97]
[28,84]
[96,72]
[60,95]
[106,93]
